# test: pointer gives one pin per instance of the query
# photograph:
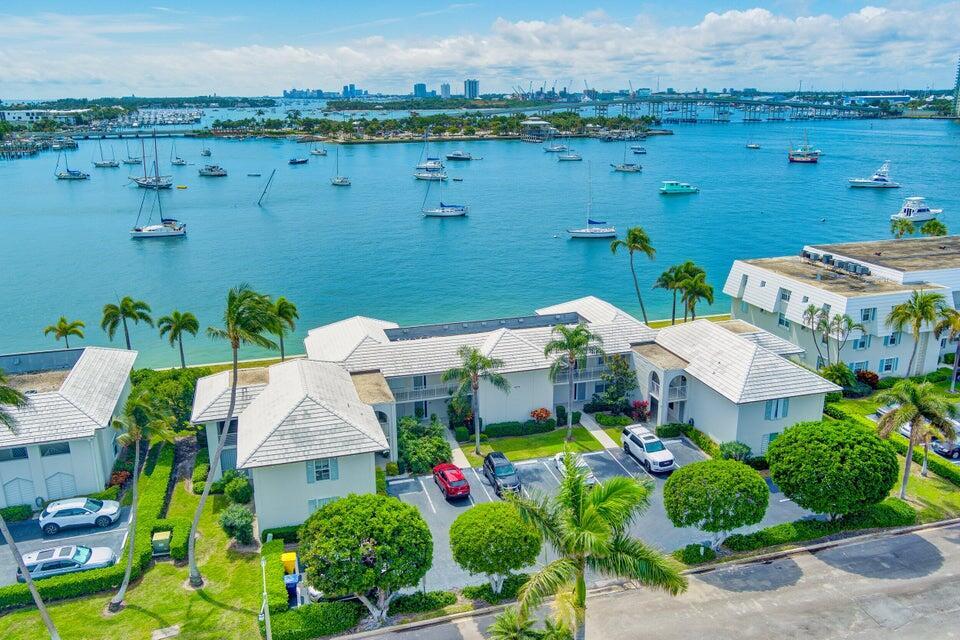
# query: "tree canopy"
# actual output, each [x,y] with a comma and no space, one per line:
[492,539]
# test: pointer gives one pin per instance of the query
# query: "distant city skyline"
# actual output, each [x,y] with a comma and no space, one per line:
[247,48]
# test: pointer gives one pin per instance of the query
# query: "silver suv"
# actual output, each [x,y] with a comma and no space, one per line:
[47,563]
[78,512]
[647,448]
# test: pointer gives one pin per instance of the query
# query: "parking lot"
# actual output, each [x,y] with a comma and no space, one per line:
[29,538]
[541,475]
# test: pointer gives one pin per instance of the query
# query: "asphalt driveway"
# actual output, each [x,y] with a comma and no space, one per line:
[29,538]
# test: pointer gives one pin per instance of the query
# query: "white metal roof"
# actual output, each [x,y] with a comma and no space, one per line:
[592,308]
[335,341]
[211,399]
[308,410]
[736,367]
[86,400]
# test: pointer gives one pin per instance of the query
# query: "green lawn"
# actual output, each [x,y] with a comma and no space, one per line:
[614,432]
[226,607]
[659,324]
[538,445]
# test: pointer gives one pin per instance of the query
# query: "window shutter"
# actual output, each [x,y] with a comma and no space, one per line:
[786,408]
[311,472]
[334,468]
[768,410]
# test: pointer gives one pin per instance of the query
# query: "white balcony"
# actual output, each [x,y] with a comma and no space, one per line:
[411,394]
[655,388]
[677,393]
[581,375]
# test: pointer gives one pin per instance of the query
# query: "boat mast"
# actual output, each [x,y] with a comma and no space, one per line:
[143,158]
[589,194]
[156,160]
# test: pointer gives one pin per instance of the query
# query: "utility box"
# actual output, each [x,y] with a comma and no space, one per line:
[161,543]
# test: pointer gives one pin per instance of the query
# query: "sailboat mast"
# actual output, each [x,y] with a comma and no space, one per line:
[589,193]
[143,158]
[156,158]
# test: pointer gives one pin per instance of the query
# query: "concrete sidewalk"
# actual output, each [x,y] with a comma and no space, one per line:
[597,431]
[459,458]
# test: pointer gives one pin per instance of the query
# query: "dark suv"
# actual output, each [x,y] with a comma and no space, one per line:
[501,473]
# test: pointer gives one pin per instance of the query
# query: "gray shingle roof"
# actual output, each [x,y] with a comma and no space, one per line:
[85,402]
[212,397]
[336,341]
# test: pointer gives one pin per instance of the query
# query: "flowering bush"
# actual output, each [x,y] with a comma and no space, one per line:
[868,378]
[119,478]
[540,415]
[640,410]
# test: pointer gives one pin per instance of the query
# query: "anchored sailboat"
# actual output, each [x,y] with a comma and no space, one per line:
[594,228]
[338,180]
[103,163]
[68,173]
[176,160]
[156,181]
[444,210]
[131,159]
[167,227]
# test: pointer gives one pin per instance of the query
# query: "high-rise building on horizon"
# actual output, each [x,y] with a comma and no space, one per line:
[445,90]
[471,89]
[420,90]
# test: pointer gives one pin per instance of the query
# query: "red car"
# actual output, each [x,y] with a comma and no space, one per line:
[451,480]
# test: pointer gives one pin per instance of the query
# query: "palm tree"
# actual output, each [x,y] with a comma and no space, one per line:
[64,329]
[589,529]
[949,324]
[933,228]
[816,320]
[922,307]
[115,315]
[245,319]
[687,271]
[695,289]
[840,327]
[918,405]
[10,397]
[141,421]
[671,280]
[512,624]
[285,315]
[474,367]
[900,227]
[637,240]
[571,345]
[176,324]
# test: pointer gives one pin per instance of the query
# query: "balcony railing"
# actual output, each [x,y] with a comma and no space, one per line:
[677,393]
[655,388]
[582,375]
[231,440]
[423,393]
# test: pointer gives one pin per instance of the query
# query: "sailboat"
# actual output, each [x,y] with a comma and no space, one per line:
[626,167]
[205,152]
[444,210]
[430,169]
[68,173]
[318,151]
[167,228]
[338,180]
[594,228]
[156,181]
[103,163]
[131,159]
[176,160]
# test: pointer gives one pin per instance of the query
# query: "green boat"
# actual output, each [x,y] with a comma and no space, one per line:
[672,187]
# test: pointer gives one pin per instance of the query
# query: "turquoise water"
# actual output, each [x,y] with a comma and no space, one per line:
[366,249]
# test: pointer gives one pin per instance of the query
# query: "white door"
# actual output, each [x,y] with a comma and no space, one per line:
[61,485]
[18,491]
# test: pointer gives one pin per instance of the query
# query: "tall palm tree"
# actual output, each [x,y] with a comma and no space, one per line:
[671,280]
[817,320]
[933,228]
[10,397]
[474,367]
[285,315]
[923,409]
[142,421]
[687,271]
[589,529]
[840,327]
[115,315]
[922,307]
[245,319]
[696,289]
[174,326]
[636,241]
[571,346]
[949,325]
[64,329]
[513,624]
[900,227]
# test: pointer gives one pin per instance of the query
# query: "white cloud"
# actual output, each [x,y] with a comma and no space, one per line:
[871,48]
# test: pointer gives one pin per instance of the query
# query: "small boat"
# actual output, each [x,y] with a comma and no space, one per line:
[458,179]
[569,156]
[131,159]
[253,175]
[556,148]
[72,174]
[176,160]
[338,180]
[181,186]
[804,154]
[444,210]
[298,160]
[638,151]
[459,156]
[168,228]
[915,209]
[432,175]
[206,153]
[627,167]
[213,171]
[103,163]
[753,145]
[156,181]
[596,229]
[879,180]
[431,164]
[321,151]
[673,187]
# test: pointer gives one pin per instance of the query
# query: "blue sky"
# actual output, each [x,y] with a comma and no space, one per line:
[51,49]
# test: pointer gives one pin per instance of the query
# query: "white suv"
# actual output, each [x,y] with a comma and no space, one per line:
[647,448]
[78,512]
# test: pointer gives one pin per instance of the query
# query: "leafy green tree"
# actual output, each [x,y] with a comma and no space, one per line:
[246,318]
[832,467]
[474,367]
[620,380]
[285,316]
[370,546]
[174,326]
[900,227]
[636,241]
[716,496]
[237,522]
[933,228]
[948,325]
[64,329]
[116,315]
[588,527]
[491,539]
[143,420]
[920,406]
[421,445]
[571,346]
[839,374]
[922,308]
[694,289]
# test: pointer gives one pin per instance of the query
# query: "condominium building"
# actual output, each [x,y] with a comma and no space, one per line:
[471,89]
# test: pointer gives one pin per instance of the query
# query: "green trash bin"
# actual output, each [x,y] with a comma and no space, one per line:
[161,543]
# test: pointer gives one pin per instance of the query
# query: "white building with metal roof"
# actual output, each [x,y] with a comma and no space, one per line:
[62,443]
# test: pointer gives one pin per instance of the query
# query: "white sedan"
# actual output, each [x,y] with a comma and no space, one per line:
[579,463]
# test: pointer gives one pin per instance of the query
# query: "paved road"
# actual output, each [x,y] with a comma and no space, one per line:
[905,587]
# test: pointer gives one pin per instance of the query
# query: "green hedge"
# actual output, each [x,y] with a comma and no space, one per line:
[892,512]
[461,434]
[17,513]
[315,620]
[284,534]
[154,482]
[381,481]
[607,420]
[110,493]
[694,554]
[504,429]
[670,430]
[179,529]
[419,602]
[276,589]
[201,468]
[511,586]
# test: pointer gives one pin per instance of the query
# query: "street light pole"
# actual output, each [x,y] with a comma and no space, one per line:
[266,605]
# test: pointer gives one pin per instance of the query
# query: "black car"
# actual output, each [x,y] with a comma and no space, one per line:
[947,449]
[501,473]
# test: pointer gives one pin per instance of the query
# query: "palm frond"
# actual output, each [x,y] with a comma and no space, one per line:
[632,558]
[549,581]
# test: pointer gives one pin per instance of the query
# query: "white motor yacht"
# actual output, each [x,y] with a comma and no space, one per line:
[168,228]
[879,180]
[432,175]
[459,156]
[213,171]
[570,156]
[915,209]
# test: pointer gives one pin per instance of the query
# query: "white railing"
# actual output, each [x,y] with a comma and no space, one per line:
[423,393]
[655,388]
[581,375]
[677,393]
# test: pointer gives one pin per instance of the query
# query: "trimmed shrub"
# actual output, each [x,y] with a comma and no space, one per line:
[540,414]
[671,430]
[702,440]
[758,462]
[576,417]
[110,493]
[561,412]
[277,598]
[282,534]
[511,586]
[17,513]
[393,469]
[239,490]
[734,451]
[868,378]
[833,396]
[315,620]
[381,481]
[461,434]
[492,539]
[694,554]
[419,602]
[201,469]
[237,522]
[505,429]
[179,529]
[220,485]
[948,358]
[606,420]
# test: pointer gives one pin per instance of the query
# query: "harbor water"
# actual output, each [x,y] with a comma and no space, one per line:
[366,249]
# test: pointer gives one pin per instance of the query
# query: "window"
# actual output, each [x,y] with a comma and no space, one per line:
[776,409]
[861,343]
[805,299]
[54,449]
[16,453]
[893,339]
[868,315]
[600,387]
[766,440]
[943,343]
[826,309]
[313,505]
[580,391]
[785,295]
[821,362]
[763,283]
[859,366]
[783,322]
[232,429]
[888,365]
[323,469]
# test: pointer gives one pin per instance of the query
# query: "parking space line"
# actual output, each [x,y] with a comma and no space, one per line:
[617,460]
[552,475]
[426,493]
[480,482]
